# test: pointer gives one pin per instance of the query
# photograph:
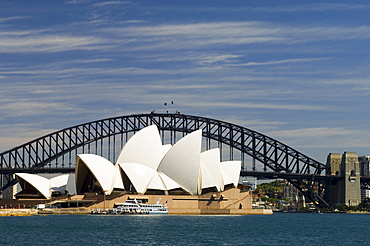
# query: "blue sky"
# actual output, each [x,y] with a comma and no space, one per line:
[297,71]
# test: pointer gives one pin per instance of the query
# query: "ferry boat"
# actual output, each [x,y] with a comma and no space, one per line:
[137,207]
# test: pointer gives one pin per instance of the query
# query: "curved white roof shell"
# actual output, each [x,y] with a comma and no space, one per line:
[41,184]
[59,183]
[156,183]
[166,148]
[139,175]
[118,184]
[102,169]
[143,178]
[230,171]
[144,147]
[182,162]
[210,166]
[206,178]
[166,182]
[169,183]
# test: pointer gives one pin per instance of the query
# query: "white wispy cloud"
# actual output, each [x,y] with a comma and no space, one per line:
[43,41]
[281,9]
[41,91]
[107,3]
[28,107]
[260,125]
[281,61]
[324,139]
[330,33]
[250,105]
[90,71]
[97,60]
[291,8]
[313,132]
[320,7]
[143,36]
[201,34]
[7,19]
[17,134]
[210,58]
[217,34]
[75,2]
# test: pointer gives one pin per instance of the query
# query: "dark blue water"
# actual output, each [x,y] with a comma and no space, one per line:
[277,229]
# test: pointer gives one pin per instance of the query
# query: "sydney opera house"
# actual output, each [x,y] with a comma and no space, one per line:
[181,175]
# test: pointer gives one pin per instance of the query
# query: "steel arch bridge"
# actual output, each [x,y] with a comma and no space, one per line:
[269,158]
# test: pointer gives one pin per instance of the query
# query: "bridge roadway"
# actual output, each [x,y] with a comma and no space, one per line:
[256,174]
[365,181]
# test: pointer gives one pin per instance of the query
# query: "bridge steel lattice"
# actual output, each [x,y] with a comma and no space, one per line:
[56,152]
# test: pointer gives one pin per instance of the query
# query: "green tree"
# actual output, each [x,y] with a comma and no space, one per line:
[364,205]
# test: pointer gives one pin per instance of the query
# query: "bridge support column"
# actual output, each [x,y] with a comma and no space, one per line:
[351,170]
[334,190]
[347,190]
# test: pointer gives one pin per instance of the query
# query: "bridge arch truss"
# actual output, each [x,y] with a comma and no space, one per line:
[268,158]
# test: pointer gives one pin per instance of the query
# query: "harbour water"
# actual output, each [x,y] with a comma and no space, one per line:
[277,229]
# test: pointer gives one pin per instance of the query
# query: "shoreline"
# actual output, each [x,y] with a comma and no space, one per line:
[86,211]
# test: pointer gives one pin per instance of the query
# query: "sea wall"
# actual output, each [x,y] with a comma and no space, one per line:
[220,211]
[64,211]
[18,212]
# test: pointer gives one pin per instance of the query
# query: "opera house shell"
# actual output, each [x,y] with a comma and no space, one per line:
[146,166]
[38,186]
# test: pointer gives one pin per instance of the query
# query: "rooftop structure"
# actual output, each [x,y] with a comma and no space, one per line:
[145,165]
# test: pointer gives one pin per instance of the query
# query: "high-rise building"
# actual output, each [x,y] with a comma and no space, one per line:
[364,172]
[364,165]
[365,193]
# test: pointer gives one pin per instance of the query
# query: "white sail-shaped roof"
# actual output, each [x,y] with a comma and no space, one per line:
[206,178]
[156,183]
[168,182]
[40,183]
[230,171]
[139,175]
[166,148]
[144,147]
[118,183]
[161,181]
[143,178]
[182,162]
[59,183]
[211,176]
[102,169]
